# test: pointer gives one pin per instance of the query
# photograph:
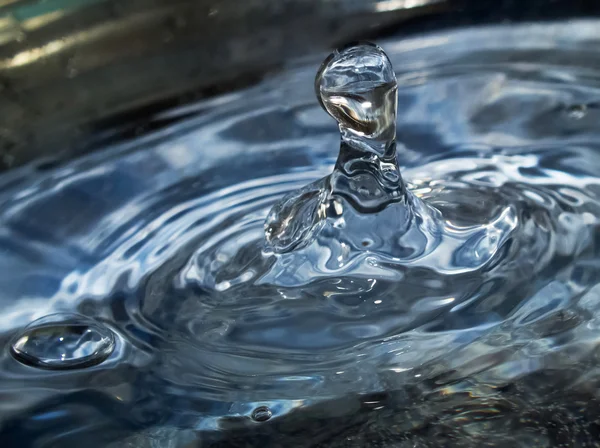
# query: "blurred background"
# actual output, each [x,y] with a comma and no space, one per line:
[76,74]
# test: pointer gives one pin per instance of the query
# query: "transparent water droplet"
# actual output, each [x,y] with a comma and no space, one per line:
[262,414]
[357,86]
[63,342]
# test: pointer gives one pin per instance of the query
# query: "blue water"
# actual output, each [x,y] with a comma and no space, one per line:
[179,328]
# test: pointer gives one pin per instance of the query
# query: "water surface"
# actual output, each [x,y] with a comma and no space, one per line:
[158,242]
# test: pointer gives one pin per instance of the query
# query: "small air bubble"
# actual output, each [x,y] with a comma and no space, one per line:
[391,175]
[577,111]
[63,342]
[262,414]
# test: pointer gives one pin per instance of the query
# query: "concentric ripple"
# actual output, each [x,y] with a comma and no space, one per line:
[481,327]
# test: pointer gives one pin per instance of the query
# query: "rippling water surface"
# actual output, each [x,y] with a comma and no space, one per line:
[141,308]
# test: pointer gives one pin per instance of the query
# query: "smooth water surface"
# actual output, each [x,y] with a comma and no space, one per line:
[471,319]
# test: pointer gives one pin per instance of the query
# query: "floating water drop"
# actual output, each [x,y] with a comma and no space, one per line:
[262,414]
[357,86]
[63,342]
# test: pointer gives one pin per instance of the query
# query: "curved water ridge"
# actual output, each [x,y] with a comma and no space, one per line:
[476,299]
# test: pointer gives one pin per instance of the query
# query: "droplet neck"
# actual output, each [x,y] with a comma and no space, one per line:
[369,182]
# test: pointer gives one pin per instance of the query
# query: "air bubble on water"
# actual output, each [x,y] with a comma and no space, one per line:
[63,342]
[577,111]
[262,414]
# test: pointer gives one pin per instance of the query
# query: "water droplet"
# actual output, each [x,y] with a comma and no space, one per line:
[357,86]
[262,414]
[62,342]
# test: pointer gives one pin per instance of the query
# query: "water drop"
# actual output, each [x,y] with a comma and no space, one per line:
[63,342]
[262,414]
[357,87]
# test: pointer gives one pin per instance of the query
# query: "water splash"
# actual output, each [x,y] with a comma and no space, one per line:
[479,328]
[362,216]
[356,86]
